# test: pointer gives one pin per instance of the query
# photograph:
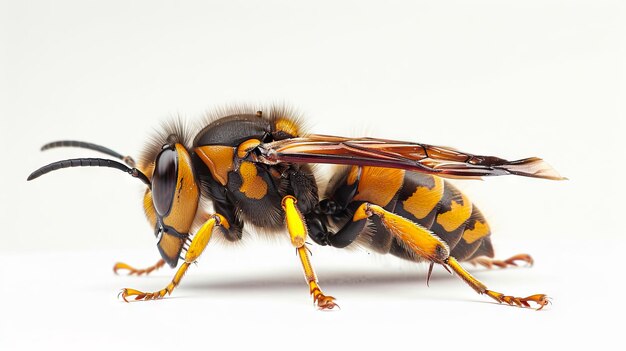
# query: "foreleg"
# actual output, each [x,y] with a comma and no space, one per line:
[197,246]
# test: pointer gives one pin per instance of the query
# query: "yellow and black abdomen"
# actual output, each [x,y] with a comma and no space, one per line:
[425,199]
[453,217]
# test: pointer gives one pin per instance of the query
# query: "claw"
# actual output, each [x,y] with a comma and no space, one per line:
[325,302]
[140,295]
[540,299]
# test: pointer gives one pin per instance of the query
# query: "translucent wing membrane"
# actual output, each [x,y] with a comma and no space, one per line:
[438,160]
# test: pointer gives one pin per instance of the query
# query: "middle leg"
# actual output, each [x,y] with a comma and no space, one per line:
[298,233]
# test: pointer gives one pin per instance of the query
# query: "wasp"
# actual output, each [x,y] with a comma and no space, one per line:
[256,169]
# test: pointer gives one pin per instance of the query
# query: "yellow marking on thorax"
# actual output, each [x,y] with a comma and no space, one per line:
[424,200]
[246,146]
[458,214]
[288,126]
[252,185]
[219,160]
[379,185]
[481,229]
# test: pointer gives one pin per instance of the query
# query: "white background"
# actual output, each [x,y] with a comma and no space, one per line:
[508,78]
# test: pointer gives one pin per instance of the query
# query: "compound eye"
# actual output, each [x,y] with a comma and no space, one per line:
[164,180]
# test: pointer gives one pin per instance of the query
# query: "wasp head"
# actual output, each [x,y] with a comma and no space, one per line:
[172,201]
[172,195]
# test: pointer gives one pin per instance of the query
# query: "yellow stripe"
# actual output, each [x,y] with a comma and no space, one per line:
[379,185]
[458,214]
[424,200]
[481,229]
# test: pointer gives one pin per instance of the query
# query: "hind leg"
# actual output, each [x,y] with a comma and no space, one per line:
[540,299]
[427,245]
[138,271]
[511,261]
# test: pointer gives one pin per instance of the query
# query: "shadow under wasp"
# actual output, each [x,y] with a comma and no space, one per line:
[255,168]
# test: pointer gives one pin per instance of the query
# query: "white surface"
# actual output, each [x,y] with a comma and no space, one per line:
[237,299]
[509,78]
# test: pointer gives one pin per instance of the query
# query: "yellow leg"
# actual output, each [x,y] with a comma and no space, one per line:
[539,299]
[298,233]
[421,240]
[426,244]
[134,271]
[198,244]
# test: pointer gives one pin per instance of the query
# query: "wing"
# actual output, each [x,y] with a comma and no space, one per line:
[437,160]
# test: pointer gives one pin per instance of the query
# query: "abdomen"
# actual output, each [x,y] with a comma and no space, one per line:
[427,200]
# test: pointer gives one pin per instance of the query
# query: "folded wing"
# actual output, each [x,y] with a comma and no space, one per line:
[431,159]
